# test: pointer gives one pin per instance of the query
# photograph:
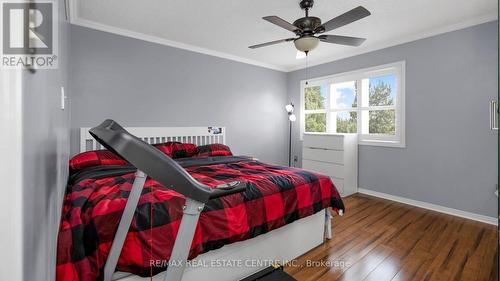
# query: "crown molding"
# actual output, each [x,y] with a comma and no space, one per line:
[76,20]
[175,44]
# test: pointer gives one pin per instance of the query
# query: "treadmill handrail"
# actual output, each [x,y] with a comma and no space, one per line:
[155,163]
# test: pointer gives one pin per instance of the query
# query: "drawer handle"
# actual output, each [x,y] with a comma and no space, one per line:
[493,115]
[318,148]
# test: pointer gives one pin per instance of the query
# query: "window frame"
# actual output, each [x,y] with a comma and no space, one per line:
[396,68]
[313,111]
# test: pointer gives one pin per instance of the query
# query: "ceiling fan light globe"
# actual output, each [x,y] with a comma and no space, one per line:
[289,108]
[306,43]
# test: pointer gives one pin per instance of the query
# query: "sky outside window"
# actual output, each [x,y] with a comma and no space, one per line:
[343,94]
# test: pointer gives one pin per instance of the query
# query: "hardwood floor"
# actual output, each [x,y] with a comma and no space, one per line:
[380,240]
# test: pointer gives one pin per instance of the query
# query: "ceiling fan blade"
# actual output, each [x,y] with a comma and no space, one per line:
[271,43]
[346,18]
[342,40]
[281,23]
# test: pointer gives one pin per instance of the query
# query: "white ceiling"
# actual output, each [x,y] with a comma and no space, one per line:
[226,28]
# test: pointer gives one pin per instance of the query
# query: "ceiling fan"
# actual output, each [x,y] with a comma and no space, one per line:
[307,29]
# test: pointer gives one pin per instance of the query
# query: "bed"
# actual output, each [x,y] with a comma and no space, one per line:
[257,247]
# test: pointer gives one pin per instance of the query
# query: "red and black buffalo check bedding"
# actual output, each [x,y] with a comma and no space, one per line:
[93,205]
[214,149]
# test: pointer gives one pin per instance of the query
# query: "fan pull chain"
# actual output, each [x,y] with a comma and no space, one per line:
[307,67]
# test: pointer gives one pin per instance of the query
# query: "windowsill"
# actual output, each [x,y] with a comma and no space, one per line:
[301,137]
[394,144]
[382,143]
[328,134]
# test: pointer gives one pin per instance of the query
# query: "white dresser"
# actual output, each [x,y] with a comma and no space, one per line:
[334,155]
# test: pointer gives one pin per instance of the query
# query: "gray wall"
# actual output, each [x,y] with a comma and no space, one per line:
[45,158]
[450,157]
[139,83]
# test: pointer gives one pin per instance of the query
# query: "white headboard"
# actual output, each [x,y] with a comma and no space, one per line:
[152,135]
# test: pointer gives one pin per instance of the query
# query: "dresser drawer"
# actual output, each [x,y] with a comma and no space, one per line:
[329,169]
[324,155]
[335,142]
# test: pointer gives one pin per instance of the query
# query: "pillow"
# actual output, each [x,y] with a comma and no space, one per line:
[106,157]
[95,158]
[177,150]
[215,149]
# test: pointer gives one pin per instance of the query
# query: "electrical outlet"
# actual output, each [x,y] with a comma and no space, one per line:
[295,158]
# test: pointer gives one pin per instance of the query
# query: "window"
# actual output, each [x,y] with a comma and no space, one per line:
[369,102]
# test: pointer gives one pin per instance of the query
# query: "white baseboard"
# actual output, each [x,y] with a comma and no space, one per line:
[433,207]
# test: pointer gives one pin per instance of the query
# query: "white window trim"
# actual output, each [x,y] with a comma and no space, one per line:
[398,68]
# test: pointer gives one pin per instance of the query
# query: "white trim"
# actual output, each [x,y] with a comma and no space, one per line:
[74,19]
[402,40]
[384,143]
[11,172]
[432,207]
[175,44]
[376,70]
[73,10]
[302,115]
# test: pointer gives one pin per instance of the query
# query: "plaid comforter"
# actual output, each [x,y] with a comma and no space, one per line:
[94,203]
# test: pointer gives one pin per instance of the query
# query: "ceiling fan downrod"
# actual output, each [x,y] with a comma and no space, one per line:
[306,5]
